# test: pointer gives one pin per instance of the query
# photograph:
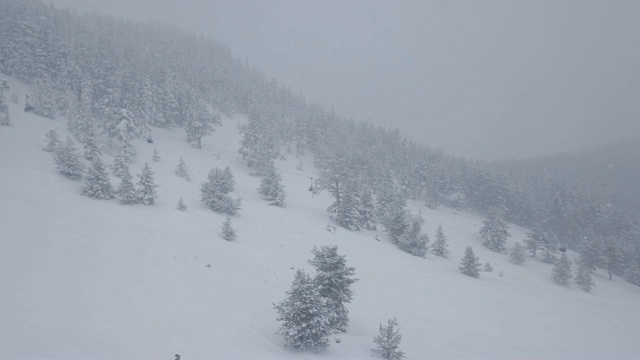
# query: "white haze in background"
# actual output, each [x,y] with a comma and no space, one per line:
[482,79]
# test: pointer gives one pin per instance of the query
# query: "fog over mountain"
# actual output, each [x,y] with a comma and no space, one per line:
[479,79]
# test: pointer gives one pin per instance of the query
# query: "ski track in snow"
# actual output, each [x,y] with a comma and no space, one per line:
[86,278]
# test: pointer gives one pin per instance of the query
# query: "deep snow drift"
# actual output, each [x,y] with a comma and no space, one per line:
[84,278]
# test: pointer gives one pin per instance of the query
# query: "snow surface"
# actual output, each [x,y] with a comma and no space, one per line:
[85,278]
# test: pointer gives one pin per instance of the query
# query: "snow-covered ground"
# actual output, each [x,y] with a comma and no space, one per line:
[84,278]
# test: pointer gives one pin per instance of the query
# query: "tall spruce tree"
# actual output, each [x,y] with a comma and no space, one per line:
[271,187]
[562,271]
[146,190]
[119,165]
[4,109]
[333,281]
[612,258]
[97,184]
[534,241]
[470,263]
[126,190]
[347,207]
[388,341]
[439,247]
[305,320]
[68,160]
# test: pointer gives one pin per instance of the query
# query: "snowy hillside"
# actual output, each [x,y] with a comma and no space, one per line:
[85,278]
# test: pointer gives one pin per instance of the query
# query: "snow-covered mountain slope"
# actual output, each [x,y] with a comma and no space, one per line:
[84,278]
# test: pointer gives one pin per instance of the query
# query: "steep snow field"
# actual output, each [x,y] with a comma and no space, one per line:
[84,278]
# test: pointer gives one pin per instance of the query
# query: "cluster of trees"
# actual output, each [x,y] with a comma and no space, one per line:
[316,308]
[92,69]
[97,184]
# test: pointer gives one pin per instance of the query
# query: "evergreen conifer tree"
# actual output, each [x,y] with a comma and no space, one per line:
[119,165]
[612,258]
[4,109]
[591,254]
[127,190]
[487,267]
[535,241]
[181,205]
[156,156]
[228,232]
[470,264]
[68,161]
[214,192]
[333,281]
[413,240]
[97,184]
[91,149]
[562,272]
[304,316]
[584,279]
[181,170]
[146,186]
[52,141]
[368,212]
[494,233]
[388,341]
[129,153]
[271,187]
[439,247]
[347,207]
[518,254]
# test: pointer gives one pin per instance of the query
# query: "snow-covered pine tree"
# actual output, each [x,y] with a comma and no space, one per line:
[591,253]
[439,247]
[96,183]
[126,190]
[4,109]
[228,232]
[156,155]
[612,258]
[129,153]
[535,241]
[271,187]
[181,205]
[549,253]
[199,122]
[119,165]
[397,223]
[494,233]
[44,103]
[583,278]
[470,263]
[68,161]
[91,149]
[487,267]
[181,170]
[388,341]
[146,186]
[333,281]
[413,240]
[562,272]
[53,142]
[214,192]
[347,207]
[368,209]
[304,316]
[518,254]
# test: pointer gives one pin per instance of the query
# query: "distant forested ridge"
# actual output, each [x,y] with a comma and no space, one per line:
[115,79]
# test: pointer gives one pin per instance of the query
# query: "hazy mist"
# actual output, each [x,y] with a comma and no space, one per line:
[483,79]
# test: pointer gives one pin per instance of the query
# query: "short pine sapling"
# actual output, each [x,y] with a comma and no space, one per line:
[470,264]
[388,341]
[228,232]
[181,205]
[518,254]
[53,142]
[126,190]
[156,156]
[181,169]
[439,247]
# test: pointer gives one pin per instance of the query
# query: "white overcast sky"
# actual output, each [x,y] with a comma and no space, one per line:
[482,79]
